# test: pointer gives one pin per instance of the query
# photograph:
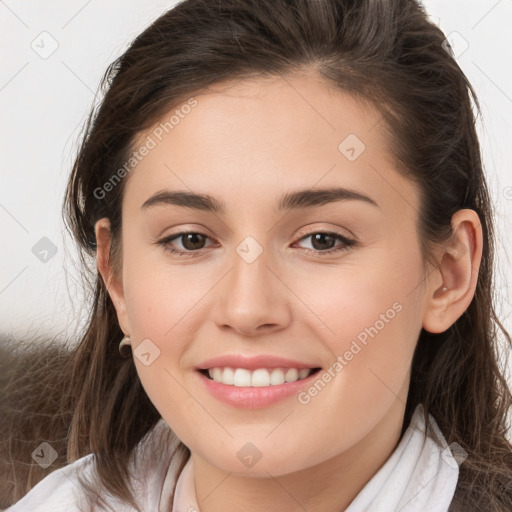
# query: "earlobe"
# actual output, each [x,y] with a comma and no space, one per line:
[459,262]
[113,283]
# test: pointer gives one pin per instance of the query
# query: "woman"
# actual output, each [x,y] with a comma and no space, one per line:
[264,373]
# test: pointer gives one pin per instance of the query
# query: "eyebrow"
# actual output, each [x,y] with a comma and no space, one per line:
[307,198]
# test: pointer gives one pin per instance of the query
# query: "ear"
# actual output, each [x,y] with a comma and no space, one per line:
[112,281]
[452,287]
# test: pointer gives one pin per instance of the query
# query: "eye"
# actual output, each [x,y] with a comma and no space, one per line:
[192,241]
[321,239]
[322,242]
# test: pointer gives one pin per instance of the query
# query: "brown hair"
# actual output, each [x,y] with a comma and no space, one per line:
[386,51]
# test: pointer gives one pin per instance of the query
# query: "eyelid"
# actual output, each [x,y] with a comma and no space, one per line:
[334,231]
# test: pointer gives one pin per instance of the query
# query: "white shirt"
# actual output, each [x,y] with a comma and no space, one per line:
[420,475]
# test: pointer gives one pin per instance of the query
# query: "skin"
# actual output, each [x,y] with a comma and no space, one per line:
[246,145]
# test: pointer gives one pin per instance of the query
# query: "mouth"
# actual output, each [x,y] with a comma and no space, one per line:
[260,377]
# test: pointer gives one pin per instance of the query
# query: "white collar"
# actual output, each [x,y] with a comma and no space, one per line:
[420,475]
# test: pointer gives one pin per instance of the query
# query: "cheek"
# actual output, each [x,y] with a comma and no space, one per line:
[165,306]
[161,327]
[157,294]
[370,319]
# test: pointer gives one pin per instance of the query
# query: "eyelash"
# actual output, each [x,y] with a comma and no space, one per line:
[346,243]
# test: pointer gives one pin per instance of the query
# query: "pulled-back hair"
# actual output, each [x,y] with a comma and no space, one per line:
[384,51]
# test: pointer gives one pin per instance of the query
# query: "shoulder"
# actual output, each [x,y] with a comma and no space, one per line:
[151,462]
[60,489]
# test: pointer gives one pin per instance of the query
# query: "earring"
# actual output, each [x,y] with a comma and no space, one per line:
[124,349]
[444,289]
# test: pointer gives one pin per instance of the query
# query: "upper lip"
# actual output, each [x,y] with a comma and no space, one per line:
[252,362]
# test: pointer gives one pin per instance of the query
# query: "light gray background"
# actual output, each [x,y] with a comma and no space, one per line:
[45,98]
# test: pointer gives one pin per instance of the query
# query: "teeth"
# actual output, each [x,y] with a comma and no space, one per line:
[261,377]
[304,373]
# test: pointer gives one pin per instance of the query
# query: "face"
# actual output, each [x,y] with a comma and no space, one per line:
[330,282]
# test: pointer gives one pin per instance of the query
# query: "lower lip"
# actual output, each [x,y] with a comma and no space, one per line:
[254,397]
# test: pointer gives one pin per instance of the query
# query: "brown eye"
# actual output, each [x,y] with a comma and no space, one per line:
[192,241]
[322,241]
[325,243]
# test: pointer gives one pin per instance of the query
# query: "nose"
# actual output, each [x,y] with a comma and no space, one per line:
[253,299]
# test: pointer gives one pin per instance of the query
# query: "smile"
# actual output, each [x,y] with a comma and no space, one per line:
[260,377]
[246,389]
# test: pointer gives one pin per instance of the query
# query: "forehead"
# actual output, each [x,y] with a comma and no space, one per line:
[265,135]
